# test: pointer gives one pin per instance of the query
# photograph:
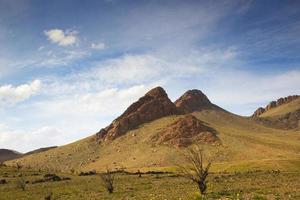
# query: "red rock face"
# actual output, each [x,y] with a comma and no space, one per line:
[286,100]
[274,104]
[259,111]
[271,105]
[192,100]
[154,105]
[186,131]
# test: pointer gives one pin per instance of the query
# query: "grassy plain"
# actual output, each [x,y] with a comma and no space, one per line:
[238,185]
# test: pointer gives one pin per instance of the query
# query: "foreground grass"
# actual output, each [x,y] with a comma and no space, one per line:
[245,185]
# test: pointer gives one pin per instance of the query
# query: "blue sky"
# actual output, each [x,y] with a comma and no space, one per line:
[67,68]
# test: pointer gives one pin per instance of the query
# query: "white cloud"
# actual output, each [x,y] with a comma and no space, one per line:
[98,46]
[137,69]
[25,141]
[107,102]
[61,37]
[10,95]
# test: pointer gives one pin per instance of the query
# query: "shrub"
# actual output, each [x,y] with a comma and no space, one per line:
[21,183]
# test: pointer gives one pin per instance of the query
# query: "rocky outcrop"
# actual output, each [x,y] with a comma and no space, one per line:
[192,100]
[259,111]
[274,104]
[185,131]
[271,105]
[287,121]
[154,105]
[286,99]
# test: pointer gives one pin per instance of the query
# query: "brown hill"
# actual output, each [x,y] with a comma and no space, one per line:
[7,154]
[154,105]
[185,131]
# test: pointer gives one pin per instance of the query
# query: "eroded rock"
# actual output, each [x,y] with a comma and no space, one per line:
[185,131]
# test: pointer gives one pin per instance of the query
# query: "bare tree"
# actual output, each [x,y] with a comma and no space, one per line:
[108,180]
[195,170]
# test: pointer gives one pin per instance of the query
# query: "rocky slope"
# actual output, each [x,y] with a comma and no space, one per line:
[154,105]
[193,100]
[274,104]
[186,131]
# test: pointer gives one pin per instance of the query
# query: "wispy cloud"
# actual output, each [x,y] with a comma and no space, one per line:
[99,46]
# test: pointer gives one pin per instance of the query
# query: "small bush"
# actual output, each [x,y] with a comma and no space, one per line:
[21,183]
[3,181]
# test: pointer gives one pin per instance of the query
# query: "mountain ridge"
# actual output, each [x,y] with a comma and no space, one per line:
[157,141]
[154,105]
[274,104]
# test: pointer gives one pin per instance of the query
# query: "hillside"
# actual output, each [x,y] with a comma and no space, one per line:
[39,150]
[283,113]
[141,142]
[283,109]
[7,154]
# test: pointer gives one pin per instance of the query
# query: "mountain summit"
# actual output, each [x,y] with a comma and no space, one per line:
[155,104]
[192,100]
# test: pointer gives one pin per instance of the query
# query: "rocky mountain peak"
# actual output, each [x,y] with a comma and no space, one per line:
[153,105]
[192,100]
[157,92]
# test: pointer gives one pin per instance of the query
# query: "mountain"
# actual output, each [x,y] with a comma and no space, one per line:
[7,154]
[153,132]
[154,105]
[283,113]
